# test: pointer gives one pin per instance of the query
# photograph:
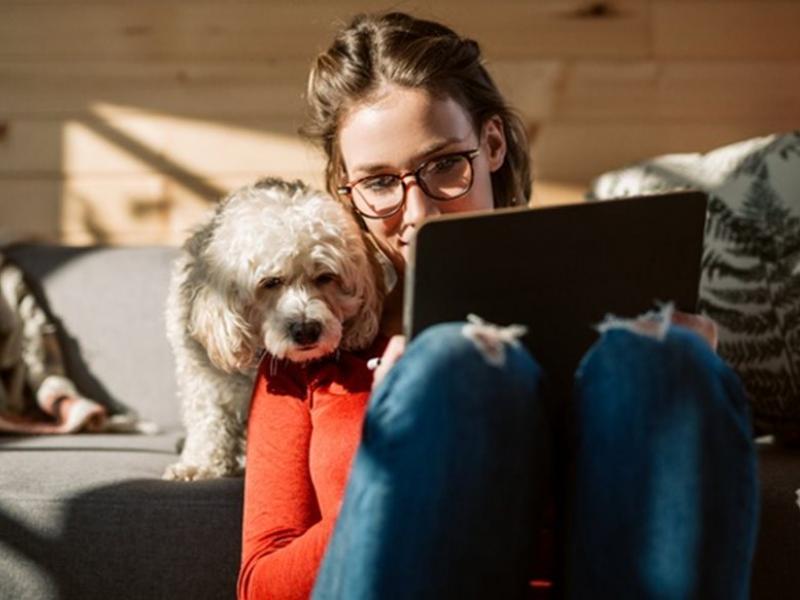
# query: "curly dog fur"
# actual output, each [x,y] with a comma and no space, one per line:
[280,269]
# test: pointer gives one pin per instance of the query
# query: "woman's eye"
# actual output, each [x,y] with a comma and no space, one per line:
[325,278]
[269,283]
[444,164]
[381,183]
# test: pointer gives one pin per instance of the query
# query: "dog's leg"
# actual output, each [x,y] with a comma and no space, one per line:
[214,409]
[213,403]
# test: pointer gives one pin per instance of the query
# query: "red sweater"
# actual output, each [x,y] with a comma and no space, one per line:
[303,430]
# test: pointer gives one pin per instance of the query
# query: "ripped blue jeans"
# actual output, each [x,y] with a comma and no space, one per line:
[656,469]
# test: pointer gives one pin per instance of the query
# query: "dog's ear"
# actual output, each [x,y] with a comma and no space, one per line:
[218,323]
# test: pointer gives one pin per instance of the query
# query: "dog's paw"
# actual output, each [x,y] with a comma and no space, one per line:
[187,472]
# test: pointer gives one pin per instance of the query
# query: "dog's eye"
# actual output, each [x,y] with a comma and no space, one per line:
[325,278]
[270,282]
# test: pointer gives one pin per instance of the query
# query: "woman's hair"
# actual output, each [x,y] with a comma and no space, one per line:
[396,48]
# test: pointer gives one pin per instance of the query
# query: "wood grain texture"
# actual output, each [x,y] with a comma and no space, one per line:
[138,143]
[680,90]
[743,29]
[124,120]
[219,90]
[281,29]
[30,209]
[577,150]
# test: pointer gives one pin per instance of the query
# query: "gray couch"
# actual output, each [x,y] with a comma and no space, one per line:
[87,516]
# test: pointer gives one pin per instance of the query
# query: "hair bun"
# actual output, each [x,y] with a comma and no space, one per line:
[472,47]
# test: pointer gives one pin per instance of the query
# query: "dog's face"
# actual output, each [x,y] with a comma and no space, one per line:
[304,298]
[293,271]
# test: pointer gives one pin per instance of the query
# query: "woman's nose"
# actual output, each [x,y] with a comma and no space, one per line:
[418,204]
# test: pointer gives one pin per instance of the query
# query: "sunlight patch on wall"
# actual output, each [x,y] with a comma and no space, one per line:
[140,176]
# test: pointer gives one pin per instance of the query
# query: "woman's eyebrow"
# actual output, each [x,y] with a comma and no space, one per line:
[433,148]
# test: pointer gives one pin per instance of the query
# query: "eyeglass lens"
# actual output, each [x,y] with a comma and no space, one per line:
[442,178]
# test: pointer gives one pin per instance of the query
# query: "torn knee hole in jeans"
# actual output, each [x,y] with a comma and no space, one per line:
[490,339]
[654,323]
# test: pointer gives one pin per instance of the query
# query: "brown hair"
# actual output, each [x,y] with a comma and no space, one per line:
[397,48]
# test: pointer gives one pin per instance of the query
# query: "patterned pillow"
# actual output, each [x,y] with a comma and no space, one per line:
[750,282]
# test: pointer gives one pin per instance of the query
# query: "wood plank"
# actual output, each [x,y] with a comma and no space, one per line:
[529,85]
[284,29]
[138,211]
[84,210]
[52,147]
[30,210]
[115,210]
[219,90]
[145,31]
[551,28]
[190,208]
[712,90]
[735,29]
[113,143]
[28,146]
[578,151]
[555,193]
[149,209]
[144,210]
[250,147]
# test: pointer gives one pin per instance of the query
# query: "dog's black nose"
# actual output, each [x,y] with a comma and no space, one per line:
[305,333]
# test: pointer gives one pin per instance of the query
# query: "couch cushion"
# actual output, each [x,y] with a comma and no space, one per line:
[109,305]
[775,570]
[750,281]
[87,516]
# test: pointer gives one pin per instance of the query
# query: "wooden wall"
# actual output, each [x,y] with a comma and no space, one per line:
[122,121]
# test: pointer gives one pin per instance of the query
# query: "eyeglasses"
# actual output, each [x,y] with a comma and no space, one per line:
[443,178]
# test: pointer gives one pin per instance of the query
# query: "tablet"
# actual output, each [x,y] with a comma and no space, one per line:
[557,270]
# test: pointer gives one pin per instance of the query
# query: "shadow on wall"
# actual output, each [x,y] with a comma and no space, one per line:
[154,160]
[143,209]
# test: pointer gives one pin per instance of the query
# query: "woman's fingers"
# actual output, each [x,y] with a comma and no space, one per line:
[701,324]
[394,350]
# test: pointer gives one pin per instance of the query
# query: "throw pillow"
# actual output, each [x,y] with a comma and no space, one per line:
[750,283]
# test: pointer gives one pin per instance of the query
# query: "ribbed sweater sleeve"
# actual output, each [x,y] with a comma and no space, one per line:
[304,427]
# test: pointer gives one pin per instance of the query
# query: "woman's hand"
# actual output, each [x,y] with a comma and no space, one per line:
[392,353]
[701,324]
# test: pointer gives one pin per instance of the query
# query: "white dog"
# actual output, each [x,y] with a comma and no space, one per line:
[279,268]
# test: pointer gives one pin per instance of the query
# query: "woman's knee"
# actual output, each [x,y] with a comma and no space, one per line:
[460,353]
[445,373]
[632,367]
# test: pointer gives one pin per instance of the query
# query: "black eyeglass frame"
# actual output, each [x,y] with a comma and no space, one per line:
[470,155]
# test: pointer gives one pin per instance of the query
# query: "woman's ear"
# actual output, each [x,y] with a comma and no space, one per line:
[493,138]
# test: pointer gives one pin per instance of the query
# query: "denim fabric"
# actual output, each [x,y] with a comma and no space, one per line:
[449,484]
[664,494]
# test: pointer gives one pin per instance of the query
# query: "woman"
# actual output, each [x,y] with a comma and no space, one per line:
[453,456]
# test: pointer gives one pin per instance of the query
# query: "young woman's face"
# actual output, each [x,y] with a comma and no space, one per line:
[395,134]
